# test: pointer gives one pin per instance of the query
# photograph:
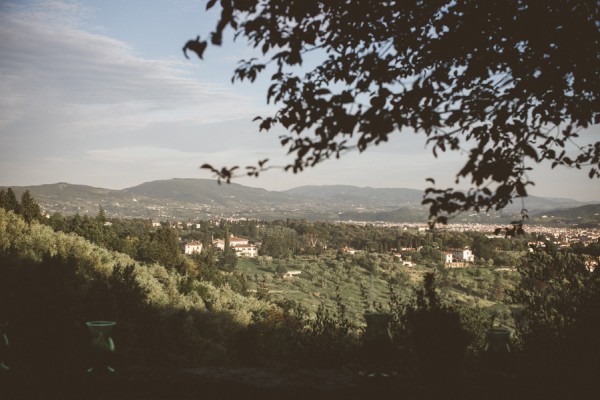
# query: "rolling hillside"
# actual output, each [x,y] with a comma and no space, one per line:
[63,191]
[206,199]
[585,216]
[357,196]
[207,191]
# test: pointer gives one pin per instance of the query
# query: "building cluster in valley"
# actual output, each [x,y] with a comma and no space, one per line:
[562,236]
[241,246]
[452,258]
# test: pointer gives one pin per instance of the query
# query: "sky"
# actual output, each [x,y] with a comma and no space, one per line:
[99,93]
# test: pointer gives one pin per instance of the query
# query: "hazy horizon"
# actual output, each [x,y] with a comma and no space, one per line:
[247,183]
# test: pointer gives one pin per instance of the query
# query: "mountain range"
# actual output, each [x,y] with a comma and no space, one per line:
[205,198]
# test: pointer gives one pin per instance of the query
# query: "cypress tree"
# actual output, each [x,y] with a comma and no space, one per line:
[165,247]
[101,216]
[10,201]
[29,209]
[226,239]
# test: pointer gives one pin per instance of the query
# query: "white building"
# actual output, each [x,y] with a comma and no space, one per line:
[241,246]
[233,241]
[459,257]
[464,255]
[449,258]
[218,244]
[245,250]
[192,247]
[236,241]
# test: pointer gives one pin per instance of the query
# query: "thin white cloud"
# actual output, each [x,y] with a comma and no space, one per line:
[49,63]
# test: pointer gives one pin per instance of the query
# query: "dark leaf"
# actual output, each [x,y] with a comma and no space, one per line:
[196,46]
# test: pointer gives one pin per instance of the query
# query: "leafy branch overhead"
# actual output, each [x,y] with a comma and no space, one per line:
[227,173]
[511,83]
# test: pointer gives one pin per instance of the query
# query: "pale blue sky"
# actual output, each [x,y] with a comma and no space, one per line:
[99,93]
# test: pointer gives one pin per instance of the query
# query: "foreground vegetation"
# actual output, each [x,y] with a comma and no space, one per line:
[211,309]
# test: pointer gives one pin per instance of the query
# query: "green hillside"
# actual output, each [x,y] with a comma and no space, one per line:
[58,281]
[207,191]
[205,199]
[62,190]
[587,216]
[360,196]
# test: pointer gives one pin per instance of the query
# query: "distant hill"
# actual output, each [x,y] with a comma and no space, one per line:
[360,196]
[586,216]
[204,199]
[536,204]
[62,191]
[206,191]
[69,199]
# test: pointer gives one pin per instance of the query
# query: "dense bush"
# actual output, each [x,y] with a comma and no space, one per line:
[53,282]
[287,336]
[558,323]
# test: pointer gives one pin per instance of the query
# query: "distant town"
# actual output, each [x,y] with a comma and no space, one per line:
[453,258]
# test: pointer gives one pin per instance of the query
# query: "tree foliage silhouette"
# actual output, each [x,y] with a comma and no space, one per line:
[510,83]
[29,209]
[8,200]
[560,295]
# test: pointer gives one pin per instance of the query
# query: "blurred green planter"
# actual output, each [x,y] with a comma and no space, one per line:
[498,340]
[102,346]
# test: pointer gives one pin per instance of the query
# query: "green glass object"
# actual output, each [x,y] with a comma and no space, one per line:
[498,340]
[3,346]
[102,346]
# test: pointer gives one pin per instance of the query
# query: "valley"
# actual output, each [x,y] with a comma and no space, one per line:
[195,199]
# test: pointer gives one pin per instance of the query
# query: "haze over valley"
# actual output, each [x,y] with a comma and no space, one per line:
[185,199]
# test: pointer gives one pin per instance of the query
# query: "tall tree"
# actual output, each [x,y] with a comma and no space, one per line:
[510,83]
[226,238]
[58,222]
[482,247]
[165,247]
[9,201]
[228,260]
[29,209]
[101,216]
